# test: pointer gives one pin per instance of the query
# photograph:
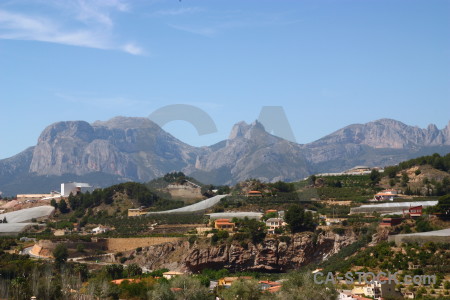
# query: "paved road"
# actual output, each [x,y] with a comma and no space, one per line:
[74,259]
[202,205]
[442,232]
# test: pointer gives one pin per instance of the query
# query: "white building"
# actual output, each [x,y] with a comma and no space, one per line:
[100,229]
[75,188]
[274,223]
[378,289]
[345,295]
[171,274]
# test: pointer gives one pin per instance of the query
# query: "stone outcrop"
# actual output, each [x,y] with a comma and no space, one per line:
[133,148]
[137,149]
[272,255]
[251,152]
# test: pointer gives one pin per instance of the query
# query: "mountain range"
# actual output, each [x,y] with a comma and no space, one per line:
[125,148]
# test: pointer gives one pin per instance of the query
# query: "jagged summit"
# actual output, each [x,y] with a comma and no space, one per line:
[387,133]
[244,130]
[122,122]
[128,148]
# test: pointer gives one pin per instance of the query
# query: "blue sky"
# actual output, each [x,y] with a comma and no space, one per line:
[327,63]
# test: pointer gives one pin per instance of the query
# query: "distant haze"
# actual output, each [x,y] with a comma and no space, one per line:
[327,63]
[124,149]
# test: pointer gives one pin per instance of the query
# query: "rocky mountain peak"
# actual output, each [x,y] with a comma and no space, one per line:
[432,128]
[238,130]
[247,131]
[138,149]
[121,122]
[81,130]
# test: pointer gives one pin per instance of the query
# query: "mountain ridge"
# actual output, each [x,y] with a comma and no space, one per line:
[128,148]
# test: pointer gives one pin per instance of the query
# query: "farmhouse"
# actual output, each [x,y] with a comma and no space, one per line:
[390,221]
[415,211]
[386,195]
[224,224]
[254,194]
[274,223]
[171,274]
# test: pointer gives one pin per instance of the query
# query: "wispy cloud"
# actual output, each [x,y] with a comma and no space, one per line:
[76,23]
[205,31]
[133,49]
[179,11]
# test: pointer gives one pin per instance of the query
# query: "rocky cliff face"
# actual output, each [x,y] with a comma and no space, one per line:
[18,164]
[137,149]
[134,148]
[378,143]
[387,133]
[251,152]
[270,256]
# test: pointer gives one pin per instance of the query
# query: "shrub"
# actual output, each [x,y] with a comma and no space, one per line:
[214,238]
[339,231]
[192,239]
[285,239]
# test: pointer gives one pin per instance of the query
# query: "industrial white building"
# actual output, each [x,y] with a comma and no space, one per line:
[75,188]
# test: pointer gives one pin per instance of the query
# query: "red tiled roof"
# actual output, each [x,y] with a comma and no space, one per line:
[385,194]
[274,289]
[273,283]
[222,220]
[119,281]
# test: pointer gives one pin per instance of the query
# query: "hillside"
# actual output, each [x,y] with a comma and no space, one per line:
[136,149]
[422,176]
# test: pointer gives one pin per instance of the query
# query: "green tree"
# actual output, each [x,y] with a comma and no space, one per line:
[243,289]
[301,286]
[133,270]
[270,215]
[114,271]
[20,288]
[298,220]
[80,248]
[405,179]
[375,177]
[391,172]
[60,254]
[63,206]
[423,225]
[161,291]
[443,206]
[189,288]
[54,204]
[284,187]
